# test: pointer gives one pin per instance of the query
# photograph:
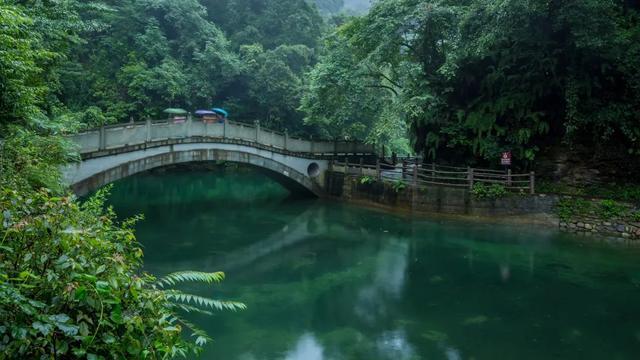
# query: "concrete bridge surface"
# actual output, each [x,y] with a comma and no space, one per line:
[117,151]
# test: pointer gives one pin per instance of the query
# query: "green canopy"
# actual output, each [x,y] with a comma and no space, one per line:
[175,111]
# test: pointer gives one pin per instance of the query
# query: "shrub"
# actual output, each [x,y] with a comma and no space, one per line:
[366,180]
[71,285]
[493,191]
[567,208]
[609,209]
[398,186]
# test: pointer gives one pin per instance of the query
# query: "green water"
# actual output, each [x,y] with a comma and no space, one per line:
[325,280]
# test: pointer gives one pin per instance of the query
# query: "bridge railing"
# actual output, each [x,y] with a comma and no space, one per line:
[422,175]
[138,133]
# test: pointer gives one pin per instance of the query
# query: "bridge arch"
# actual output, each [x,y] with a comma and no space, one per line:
[292,171]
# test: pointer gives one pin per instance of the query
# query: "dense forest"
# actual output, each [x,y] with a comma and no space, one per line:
[455,81]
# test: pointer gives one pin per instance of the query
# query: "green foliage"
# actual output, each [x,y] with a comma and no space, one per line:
[22,61]
[620,192]
[609,209]
[71,285]
[568,208]
[474,78]
[366,180]
[484,191]
[29,160]
[345,98]
[398,186]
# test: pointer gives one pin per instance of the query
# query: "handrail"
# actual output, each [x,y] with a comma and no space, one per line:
[139,133]
[427,174]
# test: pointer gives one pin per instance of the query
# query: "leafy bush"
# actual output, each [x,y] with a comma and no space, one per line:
[568,208]
[71,285]
[366,180]
[398,186]
[29,160]
[609,209]
[484,191]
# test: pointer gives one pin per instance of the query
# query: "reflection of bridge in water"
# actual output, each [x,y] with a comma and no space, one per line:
[114,152]
[295,232]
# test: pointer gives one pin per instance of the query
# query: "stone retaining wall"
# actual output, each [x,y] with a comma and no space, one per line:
[591,224]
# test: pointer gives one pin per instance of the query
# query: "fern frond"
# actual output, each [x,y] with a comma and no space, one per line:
[203,301]
[190,309]
[185,276]
[201,336]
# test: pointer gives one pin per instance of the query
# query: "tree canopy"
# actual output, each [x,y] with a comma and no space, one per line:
[474,78]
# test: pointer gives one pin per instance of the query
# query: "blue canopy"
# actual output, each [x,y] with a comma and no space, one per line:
[220,111]
[204,112]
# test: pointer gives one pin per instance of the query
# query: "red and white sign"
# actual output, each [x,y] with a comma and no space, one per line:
[505,158]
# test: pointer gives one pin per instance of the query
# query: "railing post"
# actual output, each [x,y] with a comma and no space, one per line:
[415,175]
[532,183]
[257,123]
[103,141]
[312,144]
[404,169]
[509,182]
[346,165]
[378,172]
[286,138]
[225,123]
[147,125]
[189,121]
[361,166]
[470,177]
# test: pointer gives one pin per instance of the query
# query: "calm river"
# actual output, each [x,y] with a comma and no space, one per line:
[326,280]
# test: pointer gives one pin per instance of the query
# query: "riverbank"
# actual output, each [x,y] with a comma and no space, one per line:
[459,203]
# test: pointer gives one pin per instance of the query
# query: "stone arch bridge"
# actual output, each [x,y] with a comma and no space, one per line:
[117,151]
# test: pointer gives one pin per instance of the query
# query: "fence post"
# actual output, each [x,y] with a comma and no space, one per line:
[404,169]
[312,146]
[378,172]
[188,125]
[470,177]
[532,182]
[394,158]
[346,165]
[225,123]
[433,172]
[103,141]
[361,166]
[286,138]
[257,123]
[415,175]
